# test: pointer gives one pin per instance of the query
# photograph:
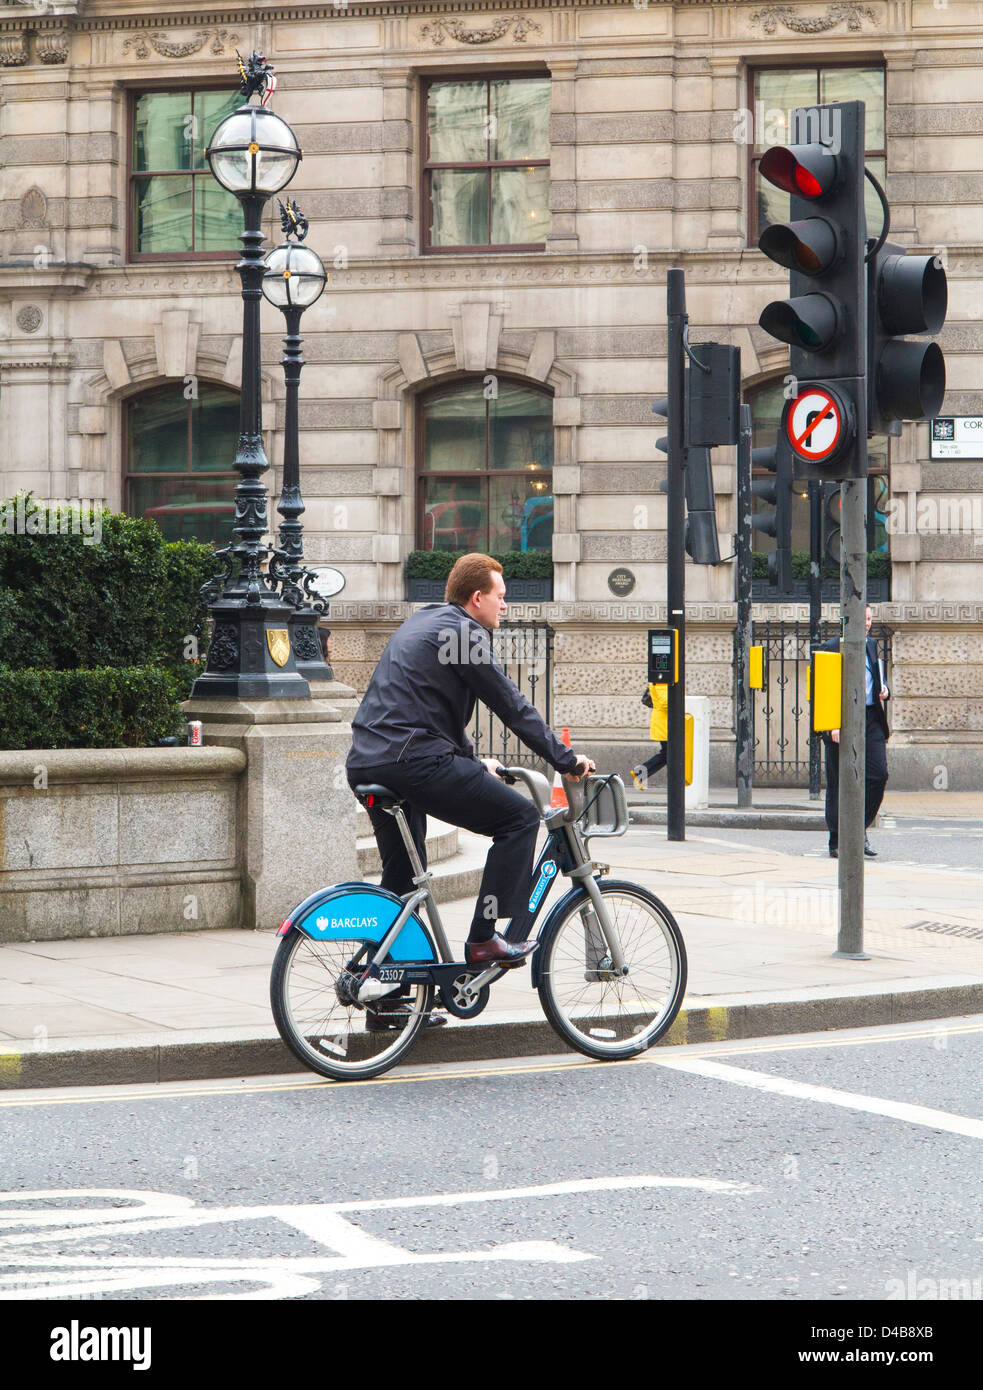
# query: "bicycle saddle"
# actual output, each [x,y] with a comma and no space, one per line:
[374,794]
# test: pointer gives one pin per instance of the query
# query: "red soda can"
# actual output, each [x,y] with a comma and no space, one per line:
[194,733]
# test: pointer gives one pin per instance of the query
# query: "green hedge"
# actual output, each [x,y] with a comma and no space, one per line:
[127,707]
[878,566]
[94,637]
[130,600]
[516,564]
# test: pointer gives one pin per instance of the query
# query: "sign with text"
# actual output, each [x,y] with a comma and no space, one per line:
[957,437]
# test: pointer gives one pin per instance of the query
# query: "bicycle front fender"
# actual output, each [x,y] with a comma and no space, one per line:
[570,897]
[361,912]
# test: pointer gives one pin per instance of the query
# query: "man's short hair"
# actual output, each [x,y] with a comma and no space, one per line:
[471,572]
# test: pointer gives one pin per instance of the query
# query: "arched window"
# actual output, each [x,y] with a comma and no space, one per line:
[485,454]
[767,402]
[178,460]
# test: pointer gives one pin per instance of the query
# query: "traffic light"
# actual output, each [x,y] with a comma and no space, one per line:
[831,527]
[905,381]
[824,319]
[713,390]
[777,523]
[700,540]
[832,521]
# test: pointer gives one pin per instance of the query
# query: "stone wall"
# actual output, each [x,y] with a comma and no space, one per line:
[934,671]
[113,842]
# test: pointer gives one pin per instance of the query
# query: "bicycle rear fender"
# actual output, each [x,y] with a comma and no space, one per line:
[571,896]
[360,912]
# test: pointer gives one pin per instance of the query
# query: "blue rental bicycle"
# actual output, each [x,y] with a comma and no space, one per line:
[358,971]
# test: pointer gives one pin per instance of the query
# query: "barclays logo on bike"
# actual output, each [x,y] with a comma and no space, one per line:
[346,923]
[546,874]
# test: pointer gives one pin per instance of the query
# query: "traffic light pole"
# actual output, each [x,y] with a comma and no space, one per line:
[745,750]
[853,729]
[675,554]
[816,566]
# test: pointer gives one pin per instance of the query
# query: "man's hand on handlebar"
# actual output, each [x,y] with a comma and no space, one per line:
[585,766]
[493,765]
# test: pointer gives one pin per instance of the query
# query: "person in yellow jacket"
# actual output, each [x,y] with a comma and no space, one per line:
[658,730]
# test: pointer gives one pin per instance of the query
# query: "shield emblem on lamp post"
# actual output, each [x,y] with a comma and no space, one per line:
[278,641]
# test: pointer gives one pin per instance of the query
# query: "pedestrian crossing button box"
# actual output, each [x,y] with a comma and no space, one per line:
[663,657]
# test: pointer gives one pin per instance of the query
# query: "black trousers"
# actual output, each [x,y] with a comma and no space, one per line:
[462,792]
[875,778]
[657,761]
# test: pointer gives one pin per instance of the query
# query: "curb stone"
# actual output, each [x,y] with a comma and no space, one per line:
[136,1062]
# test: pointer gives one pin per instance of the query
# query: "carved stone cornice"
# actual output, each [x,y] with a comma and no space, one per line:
[514,26]
[482,273]
[167,49]
[52,46]
[893,615]
[13,50]
[793,18]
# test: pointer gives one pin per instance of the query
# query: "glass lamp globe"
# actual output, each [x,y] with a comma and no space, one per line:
[295,276]
[253,151]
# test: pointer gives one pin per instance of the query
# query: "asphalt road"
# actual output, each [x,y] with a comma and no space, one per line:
[695,1173]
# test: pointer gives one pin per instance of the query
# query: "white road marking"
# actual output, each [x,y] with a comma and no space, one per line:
[41,1275]
[849,1100]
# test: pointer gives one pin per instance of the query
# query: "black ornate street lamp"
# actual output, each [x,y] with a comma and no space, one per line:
[295,277]
[253,154]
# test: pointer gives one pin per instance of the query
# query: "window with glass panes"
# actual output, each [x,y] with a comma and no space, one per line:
[176,206]
[486,172]
[486,468]
[766,404]
[178,460]
[774,92]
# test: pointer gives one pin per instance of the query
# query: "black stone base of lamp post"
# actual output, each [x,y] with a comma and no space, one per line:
[307,646]
[251,655]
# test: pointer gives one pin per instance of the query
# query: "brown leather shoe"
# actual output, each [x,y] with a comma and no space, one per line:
[497,951]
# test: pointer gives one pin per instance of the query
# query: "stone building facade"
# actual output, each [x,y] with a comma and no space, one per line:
[648,165]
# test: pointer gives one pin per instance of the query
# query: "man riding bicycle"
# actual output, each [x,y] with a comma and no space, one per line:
[409,735]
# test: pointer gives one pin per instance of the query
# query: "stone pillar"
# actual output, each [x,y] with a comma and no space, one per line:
[297,813]
[563,157]
[900,144]
[397,235]
[726,230]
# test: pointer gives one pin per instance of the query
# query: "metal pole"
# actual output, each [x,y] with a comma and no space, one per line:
[853,730]
[815,615]
[675,555]
[250,655]
[303,620]
[745,741]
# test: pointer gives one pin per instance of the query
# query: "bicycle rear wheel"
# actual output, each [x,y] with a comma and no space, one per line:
[603,1015]
[312,996]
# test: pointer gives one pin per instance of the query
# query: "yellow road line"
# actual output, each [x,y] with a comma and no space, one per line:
[707,1050]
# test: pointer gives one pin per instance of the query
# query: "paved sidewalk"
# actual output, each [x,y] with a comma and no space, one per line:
[760,931]
[792,808]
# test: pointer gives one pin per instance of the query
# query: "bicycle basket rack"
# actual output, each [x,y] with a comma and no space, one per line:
[605,807]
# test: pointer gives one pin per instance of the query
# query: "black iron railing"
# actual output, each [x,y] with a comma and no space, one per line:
[780,711]
[525,651]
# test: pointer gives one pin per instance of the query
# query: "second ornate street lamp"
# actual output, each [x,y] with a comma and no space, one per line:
[253,154]
[295,278]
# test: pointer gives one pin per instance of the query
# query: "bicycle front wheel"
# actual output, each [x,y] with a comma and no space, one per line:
[312,996]
[604,1015]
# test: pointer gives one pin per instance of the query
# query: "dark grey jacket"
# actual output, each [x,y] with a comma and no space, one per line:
[424,689]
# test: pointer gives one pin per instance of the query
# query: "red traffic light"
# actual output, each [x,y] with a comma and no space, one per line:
[809,170]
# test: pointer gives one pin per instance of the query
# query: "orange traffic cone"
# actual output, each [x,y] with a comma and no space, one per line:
[559,797]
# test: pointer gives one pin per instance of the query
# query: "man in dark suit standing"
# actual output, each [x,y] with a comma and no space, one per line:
[875,692]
